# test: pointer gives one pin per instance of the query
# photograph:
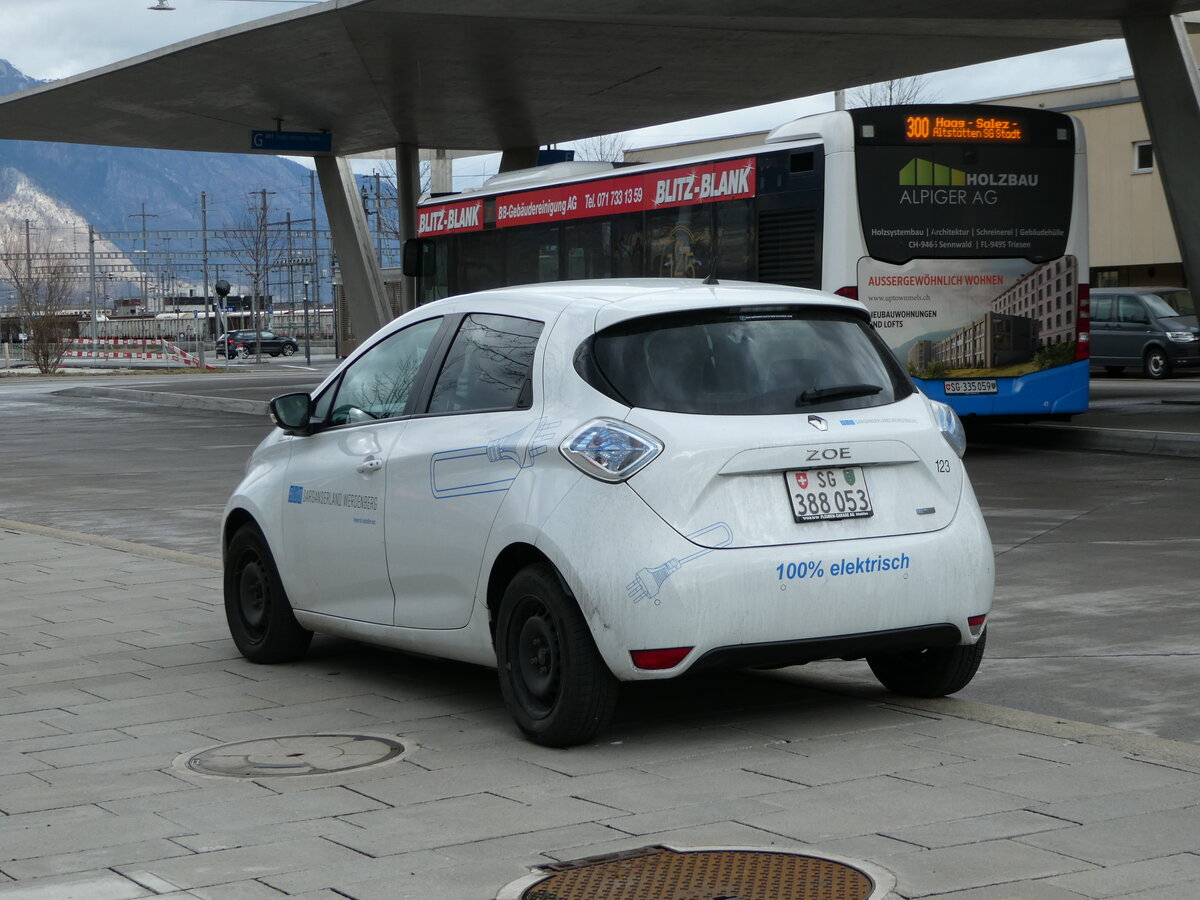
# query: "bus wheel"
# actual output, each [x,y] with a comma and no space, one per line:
[555,684]
[1156,364]
[934,672]
[256,606]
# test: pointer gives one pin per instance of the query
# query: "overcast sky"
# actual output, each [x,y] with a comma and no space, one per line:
[49,39]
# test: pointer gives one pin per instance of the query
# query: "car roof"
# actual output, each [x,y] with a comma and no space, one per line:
[616,299]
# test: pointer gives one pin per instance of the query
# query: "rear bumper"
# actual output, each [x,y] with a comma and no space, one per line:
[650,588]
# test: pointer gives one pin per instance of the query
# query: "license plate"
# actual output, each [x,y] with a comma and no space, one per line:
[982,386]
[819,495]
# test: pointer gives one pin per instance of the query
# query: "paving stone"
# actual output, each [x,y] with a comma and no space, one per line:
[1114,881]
[976,865]
[1127,839]
[266,811]
[207,869]
[997,826]
[880,805]
[100,886]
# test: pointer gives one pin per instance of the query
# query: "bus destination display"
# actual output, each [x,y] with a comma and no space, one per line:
[948,128]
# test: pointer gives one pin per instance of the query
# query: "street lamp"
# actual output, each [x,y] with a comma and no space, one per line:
[307,331]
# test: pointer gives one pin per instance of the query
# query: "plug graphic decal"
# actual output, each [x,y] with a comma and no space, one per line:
[646,582]
[489,467]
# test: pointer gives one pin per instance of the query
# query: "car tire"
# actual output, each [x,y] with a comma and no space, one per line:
[260,618]
[243,352]
[1114,370]
[554,682]
[1156,364]
[288,349]
[933,672]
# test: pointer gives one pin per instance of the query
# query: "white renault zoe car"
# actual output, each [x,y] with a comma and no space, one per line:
[591,482]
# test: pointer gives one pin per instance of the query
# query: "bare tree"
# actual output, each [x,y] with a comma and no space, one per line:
[44,290]
[602,148]
[258,249]
[897,91]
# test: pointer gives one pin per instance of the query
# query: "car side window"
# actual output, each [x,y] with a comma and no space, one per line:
[380,382]
[1132,310]
[1102,309]
[489,366]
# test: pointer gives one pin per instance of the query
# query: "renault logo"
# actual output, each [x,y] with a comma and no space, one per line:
[818,423]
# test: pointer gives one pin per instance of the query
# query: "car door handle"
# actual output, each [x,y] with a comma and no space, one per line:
[370,465]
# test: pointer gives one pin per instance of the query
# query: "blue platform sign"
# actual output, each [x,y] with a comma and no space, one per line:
[292,141]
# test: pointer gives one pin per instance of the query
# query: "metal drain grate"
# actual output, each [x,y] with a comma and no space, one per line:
[296,754]
[660,873]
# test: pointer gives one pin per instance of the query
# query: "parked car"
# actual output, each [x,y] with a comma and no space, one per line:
[242,343]
[591,482]
[1152,328]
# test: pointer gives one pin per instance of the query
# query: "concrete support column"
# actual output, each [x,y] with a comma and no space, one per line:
[408,193]
[1165,69]
[441,173]
[362,281]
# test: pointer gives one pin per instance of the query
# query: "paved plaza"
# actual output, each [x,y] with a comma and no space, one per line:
[126,716]
[115,667]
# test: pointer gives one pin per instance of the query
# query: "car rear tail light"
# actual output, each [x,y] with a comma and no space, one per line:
[610,450]
[850,292]
[951,427]
[975,624]
[667,658]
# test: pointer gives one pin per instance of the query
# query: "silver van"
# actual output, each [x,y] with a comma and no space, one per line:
[1154,328]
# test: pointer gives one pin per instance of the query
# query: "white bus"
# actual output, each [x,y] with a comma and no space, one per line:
[962,227]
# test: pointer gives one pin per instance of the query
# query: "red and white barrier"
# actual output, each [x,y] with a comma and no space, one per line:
[132,348]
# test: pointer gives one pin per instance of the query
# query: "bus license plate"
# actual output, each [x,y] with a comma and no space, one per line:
[819,495]
[983,386]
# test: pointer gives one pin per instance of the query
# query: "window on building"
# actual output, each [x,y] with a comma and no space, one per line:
[1143,157]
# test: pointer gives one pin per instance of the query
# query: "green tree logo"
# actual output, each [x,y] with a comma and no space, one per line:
[923,173]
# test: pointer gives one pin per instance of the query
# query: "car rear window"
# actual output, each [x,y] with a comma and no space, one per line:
[745,361]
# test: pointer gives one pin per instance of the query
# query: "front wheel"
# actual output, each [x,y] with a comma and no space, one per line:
[554,682]
[1156,363]
[289,349]
[933,672]
[256,606]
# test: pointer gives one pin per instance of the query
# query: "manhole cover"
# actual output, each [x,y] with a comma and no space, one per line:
[662,873]
[296,754]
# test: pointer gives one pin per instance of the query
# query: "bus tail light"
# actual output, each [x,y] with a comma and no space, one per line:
[667,658]
[1083,323]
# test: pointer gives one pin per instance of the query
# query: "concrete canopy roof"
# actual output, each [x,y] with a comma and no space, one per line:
[487,75]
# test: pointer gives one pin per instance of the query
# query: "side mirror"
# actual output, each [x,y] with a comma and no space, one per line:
[292,413]
[413,262]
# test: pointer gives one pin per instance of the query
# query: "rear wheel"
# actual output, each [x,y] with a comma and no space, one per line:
[256,606]
[243,352]
[555,684]
[933,672]
[1156,364]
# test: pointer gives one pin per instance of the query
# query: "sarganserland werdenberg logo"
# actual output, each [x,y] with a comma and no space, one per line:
[919,172]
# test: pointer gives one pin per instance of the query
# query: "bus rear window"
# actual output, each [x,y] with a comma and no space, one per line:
[748,361]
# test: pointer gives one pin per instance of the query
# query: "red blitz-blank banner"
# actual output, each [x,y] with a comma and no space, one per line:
[728,180]
[450,218]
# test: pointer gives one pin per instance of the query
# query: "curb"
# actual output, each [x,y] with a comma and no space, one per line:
[167,398]
[1109,440]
